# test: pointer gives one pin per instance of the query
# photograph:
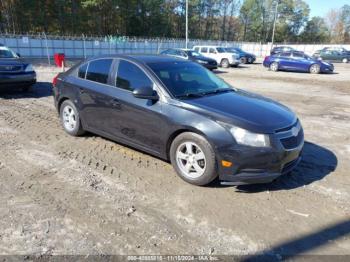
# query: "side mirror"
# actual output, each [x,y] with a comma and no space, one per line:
[145,92]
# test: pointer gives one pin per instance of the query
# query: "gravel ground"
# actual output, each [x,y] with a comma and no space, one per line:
[89,195]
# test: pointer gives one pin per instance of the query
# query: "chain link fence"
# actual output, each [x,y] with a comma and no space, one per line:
[45,46]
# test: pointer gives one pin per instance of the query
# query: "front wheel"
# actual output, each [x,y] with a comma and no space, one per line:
[193,159]
[315,69]
[225,63]
[243,60]
[70,119]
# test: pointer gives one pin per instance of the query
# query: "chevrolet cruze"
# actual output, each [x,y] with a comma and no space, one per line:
[181,112]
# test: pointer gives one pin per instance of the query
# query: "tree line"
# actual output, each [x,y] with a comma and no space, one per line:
[231,20]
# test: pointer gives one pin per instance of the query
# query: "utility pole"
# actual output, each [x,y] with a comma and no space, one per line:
[274,24]
[186,24]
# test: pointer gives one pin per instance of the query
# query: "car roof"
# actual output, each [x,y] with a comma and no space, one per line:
[141,58]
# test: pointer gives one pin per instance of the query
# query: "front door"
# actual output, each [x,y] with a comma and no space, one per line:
[139,121]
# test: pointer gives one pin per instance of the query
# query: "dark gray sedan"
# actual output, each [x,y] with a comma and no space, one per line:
[179,111]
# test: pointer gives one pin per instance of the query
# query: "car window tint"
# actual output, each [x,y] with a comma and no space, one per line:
[196,49]
[298,55]
[285,54]
[98,70]
[212,50]
[130,76]
[204,50]
[82,71]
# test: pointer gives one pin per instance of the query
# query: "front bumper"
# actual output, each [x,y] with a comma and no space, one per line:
[252,165]
[17,79]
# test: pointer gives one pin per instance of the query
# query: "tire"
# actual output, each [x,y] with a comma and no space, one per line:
[193,159]
[274,67]
[250,60]
[243,60]
[345,60]
[315,69]
[225,63]
[70,119]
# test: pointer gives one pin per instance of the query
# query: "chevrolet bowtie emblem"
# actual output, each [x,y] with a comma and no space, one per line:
[295,131]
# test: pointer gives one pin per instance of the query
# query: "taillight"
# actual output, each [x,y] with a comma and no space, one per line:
[54,80]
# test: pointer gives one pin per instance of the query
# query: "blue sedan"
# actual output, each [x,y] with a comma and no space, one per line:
[298,62]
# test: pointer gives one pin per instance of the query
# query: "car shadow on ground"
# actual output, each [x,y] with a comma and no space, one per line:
[317,162]
[295,249]
[40,89]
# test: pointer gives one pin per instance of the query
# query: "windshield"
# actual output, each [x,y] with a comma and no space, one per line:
[7,53]
[221,50]
[184,79]
[193,53]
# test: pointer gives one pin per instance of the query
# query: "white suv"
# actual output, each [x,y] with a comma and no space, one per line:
[222,57]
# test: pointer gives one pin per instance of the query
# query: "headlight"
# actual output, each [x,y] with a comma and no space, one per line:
[245,137]
[202,61]
[29,68]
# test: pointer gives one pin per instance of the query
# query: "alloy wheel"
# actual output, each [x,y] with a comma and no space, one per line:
[191,160]
[69,118]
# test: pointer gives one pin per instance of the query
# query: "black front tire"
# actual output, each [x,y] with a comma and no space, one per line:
[210,172]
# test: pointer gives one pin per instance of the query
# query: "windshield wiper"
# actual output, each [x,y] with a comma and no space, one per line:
[189,95]
[216,91]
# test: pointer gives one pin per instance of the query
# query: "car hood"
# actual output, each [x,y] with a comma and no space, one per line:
[12,61]
[246,110]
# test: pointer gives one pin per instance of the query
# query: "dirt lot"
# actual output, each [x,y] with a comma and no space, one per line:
[89,195]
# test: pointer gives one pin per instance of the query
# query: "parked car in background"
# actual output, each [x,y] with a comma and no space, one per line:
[280,49]
[191,55]
[334,48]
[222,57]
[297,61]
[244,57]
[179,111]
[332,55]
[14,71]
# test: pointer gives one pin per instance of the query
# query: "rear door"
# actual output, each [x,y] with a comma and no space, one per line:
[285,61]
[95,93]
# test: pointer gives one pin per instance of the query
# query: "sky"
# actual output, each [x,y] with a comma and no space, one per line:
[321,7]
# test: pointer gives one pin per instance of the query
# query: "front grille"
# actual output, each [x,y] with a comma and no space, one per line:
[287,128]
[293,141]
[10,68]
[212,63]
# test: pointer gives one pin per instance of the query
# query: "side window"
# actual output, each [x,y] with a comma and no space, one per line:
[82,71]
[196,49]
[298,55]
[130,76]
[212,51]
[98,70]
[285,54]
[204,50]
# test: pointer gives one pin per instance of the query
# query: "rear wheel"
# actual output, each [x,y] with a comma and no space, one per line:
[274,66]
[315,69]
[345,60]
[225,63]
[193,159]
[70,119]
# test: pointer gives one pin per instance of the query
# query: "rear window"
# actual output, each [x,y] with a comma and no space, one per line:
[98,70]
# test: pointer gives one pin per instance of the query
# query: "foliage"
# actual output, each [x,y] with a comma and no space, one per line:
[242,20]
